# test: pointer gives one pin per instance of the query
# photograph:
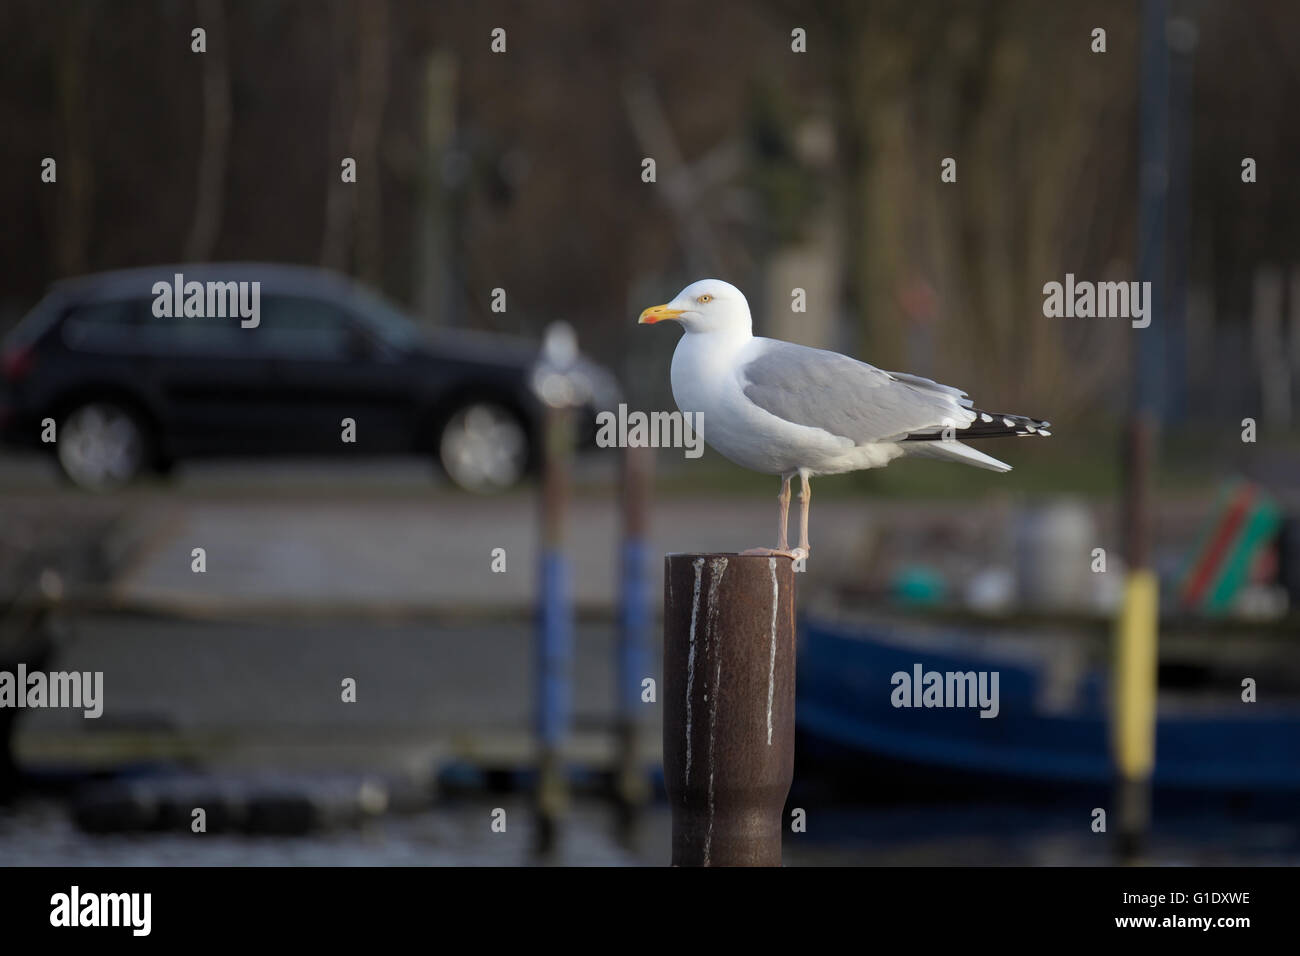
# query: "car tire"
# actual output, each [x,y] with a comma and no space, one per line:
[484,447]
[102,445]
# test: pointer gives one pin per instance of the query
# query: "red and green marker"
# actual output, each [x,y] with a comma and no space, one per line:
[1245,524]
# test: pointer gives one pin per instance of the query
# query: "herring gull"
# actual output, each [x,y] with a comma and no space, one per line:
[785,409]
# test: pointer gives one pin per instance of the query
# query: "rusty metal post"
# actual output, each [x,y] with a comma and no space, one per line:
[729,654]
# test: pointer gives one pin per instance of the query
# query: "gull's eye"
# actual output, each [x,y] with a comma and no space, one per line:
[704,298]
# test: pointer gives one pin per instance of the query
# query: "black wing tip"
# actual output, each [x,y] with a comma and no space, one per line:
[1000,425]
[989,425]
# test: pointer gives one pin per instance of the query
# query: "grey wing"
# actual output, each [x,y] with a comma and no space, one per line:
[849,398]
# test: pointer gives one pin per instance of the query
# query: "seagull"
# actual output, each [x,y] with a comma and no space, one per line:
[784,409]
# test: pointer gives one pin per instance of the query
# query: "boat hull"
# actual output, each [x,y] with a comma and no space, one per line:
[847,705]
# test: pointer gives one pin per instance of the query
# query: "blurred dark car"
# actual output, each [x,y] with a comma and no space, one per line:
[131,391]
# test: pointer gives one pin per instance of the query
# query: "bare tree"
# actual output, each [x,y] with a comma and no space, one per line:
[75,170]
[372,94]
[365,205]
[1044,176]
[209,189]
[336,237]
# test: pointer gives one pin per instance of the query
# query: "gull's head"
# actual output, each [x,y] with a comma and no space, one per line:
[709,305]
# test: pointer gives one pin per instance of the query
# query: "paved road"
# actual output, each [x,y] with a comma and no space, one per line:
[435,553]
[385,538]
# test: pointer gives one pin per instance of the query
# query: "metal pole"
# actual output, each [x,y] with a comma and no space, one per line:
[555,629]
[1134,675]
[729,656]
[1182,40]
[630,786]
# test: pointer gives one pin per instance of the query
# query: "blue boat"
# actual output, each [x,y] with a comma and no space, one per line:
[1051,723]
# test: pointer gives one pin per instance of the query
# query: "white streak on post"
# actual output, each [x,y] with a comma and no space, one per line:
[717,567]
[771,663]
[698,564]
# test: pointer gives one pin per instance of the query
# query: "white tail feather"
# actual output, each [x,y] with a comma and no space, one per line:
[954,451]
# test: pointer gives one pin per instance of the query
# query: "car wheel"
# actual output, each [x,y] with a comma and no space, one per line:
[101,445]
[483,447]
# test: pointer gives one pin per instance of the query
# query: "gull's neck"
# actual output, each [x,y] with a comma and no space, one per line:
[715,345]
[733,333]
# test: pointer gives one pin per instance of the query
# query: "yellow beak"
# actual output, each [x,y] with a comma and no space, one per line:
[658,313]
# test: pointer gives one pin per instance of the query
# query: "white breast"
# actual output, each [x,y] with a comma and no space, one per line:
[706,381]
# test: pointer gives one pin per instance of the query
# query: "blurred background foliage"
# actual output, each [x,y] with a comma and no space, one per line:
[820,170]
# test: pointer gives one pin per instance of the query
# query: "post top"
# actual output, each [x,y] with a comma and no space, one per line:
[731,556]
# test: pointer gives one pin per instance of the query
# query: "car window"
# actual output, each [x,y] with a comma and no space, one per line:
[99,327]
[130,326]
[215,335]
[302,327]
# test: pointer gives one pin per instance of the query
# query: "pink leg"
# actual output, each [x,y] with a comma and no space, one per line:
[805,499]
[783,500]
[782,548]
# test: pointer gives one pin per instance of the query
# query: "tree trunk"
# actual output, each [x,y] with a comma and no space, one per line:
[210,187]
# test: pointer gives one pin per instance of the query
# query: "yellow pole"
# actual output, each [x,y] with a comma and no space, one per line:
[1133,702]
